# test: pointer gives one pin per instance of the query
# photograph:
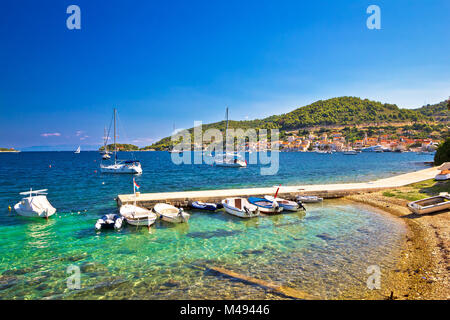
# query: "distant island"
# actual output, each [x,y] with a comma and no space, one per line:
[350,121]
[8,150]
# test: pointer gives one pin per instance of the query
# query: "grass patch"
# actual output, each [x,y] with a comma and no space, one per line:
[419,190]
[388,194]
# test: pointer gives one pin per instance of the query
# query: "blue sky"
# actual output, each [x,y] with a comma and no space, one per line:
[172,62]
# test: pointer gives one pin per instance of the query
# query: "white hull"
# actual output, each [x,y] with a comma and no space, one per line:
[33,214]
[137,216]
[121,168]
[429,205]
[350,153]
[442,177]
[285,204]
[169,213]
[233,207]
[309,199]
[238,164]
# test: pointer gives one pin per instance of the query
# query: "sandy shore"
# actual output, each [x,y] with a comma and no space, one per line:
[423,270]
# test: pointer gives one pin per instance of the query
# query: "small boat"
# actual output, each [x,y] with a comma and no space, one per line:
[78,150]
[169,213]
[35,205]
[240,207]
[429,205]
[204,206]
[350,152]
[109,221]
[443,175]
[265,206]
[106,156]
[309,199]
[286,204]
[105,152]
[137,216]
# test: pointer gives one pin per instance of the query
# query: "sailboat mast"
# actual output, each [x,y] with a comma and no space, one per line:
[115,147]
[227,120]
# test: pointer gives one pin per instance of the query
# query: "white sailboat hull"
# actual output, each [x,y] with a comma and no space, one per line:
[121,168]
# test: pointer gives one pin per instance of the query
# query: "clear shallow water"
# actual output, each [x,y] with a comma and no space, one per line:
[324,252]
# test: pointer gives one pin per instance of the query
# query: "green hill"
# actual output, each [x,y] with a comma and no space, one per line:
[438,112]
[342,111]
[121,147]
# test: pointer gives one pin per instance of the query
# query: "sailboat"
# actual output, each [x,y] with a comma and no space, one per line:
[78,150]
[232,160]
[120,166]
[105,152]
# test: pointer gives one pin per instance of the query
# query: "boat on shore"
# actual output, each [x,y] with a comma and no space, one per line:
[109,221]
[443,175]
[309,199]
[240,207]
[35,205]
[169,213]
[265,206]
[430,205]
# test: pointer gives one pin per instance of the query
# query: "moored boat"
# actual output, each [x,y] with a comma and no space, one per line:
[265,206]
[35,205]
[204,206]
[109,221]
[137,216]
[169,213]
[430,205]
[309,199]
[287,205]
[240,207]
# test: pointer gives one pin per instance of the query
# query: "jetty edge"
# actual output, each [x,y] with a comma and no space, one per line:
[326,191]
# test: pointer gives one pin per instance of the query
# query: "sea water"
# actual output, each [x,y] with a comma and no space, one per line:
[323,252]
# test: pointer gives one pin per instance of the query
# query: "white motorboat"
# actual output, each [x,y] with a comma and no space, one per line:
[137,216]
[240,207]
[169,213]
[78,150]
[309,199]
[443,175]
[109,221]
[120,166]
[286,204]
[429,205]
[35,205]
[350,152]
[265,206]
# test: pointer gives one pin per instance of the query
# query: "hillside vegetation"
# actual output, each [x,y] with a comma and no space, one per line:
[342,111]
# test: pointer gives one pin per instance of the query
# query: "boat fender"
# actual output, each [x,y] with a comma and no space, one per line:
[9,208]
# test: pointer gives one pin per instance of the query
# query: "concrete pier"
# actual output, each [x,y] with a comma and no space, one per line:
[182,198]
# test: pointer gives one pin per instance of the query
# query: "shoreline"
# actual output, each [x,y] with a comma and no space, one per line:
[422,271]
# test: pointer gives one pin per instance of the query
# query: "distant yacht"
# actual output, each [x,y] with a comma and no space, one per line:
[78,150]
[120,166]
[232,160]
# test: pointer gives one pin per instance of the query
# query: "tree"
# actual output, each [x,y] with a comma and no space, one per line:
[443,153]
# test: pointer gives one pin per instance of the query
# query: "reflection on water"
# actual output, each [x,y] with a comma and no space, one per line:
[324,252]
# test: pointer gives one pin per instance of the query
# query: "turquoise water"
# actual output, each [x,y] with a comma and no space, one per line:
[324,252]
